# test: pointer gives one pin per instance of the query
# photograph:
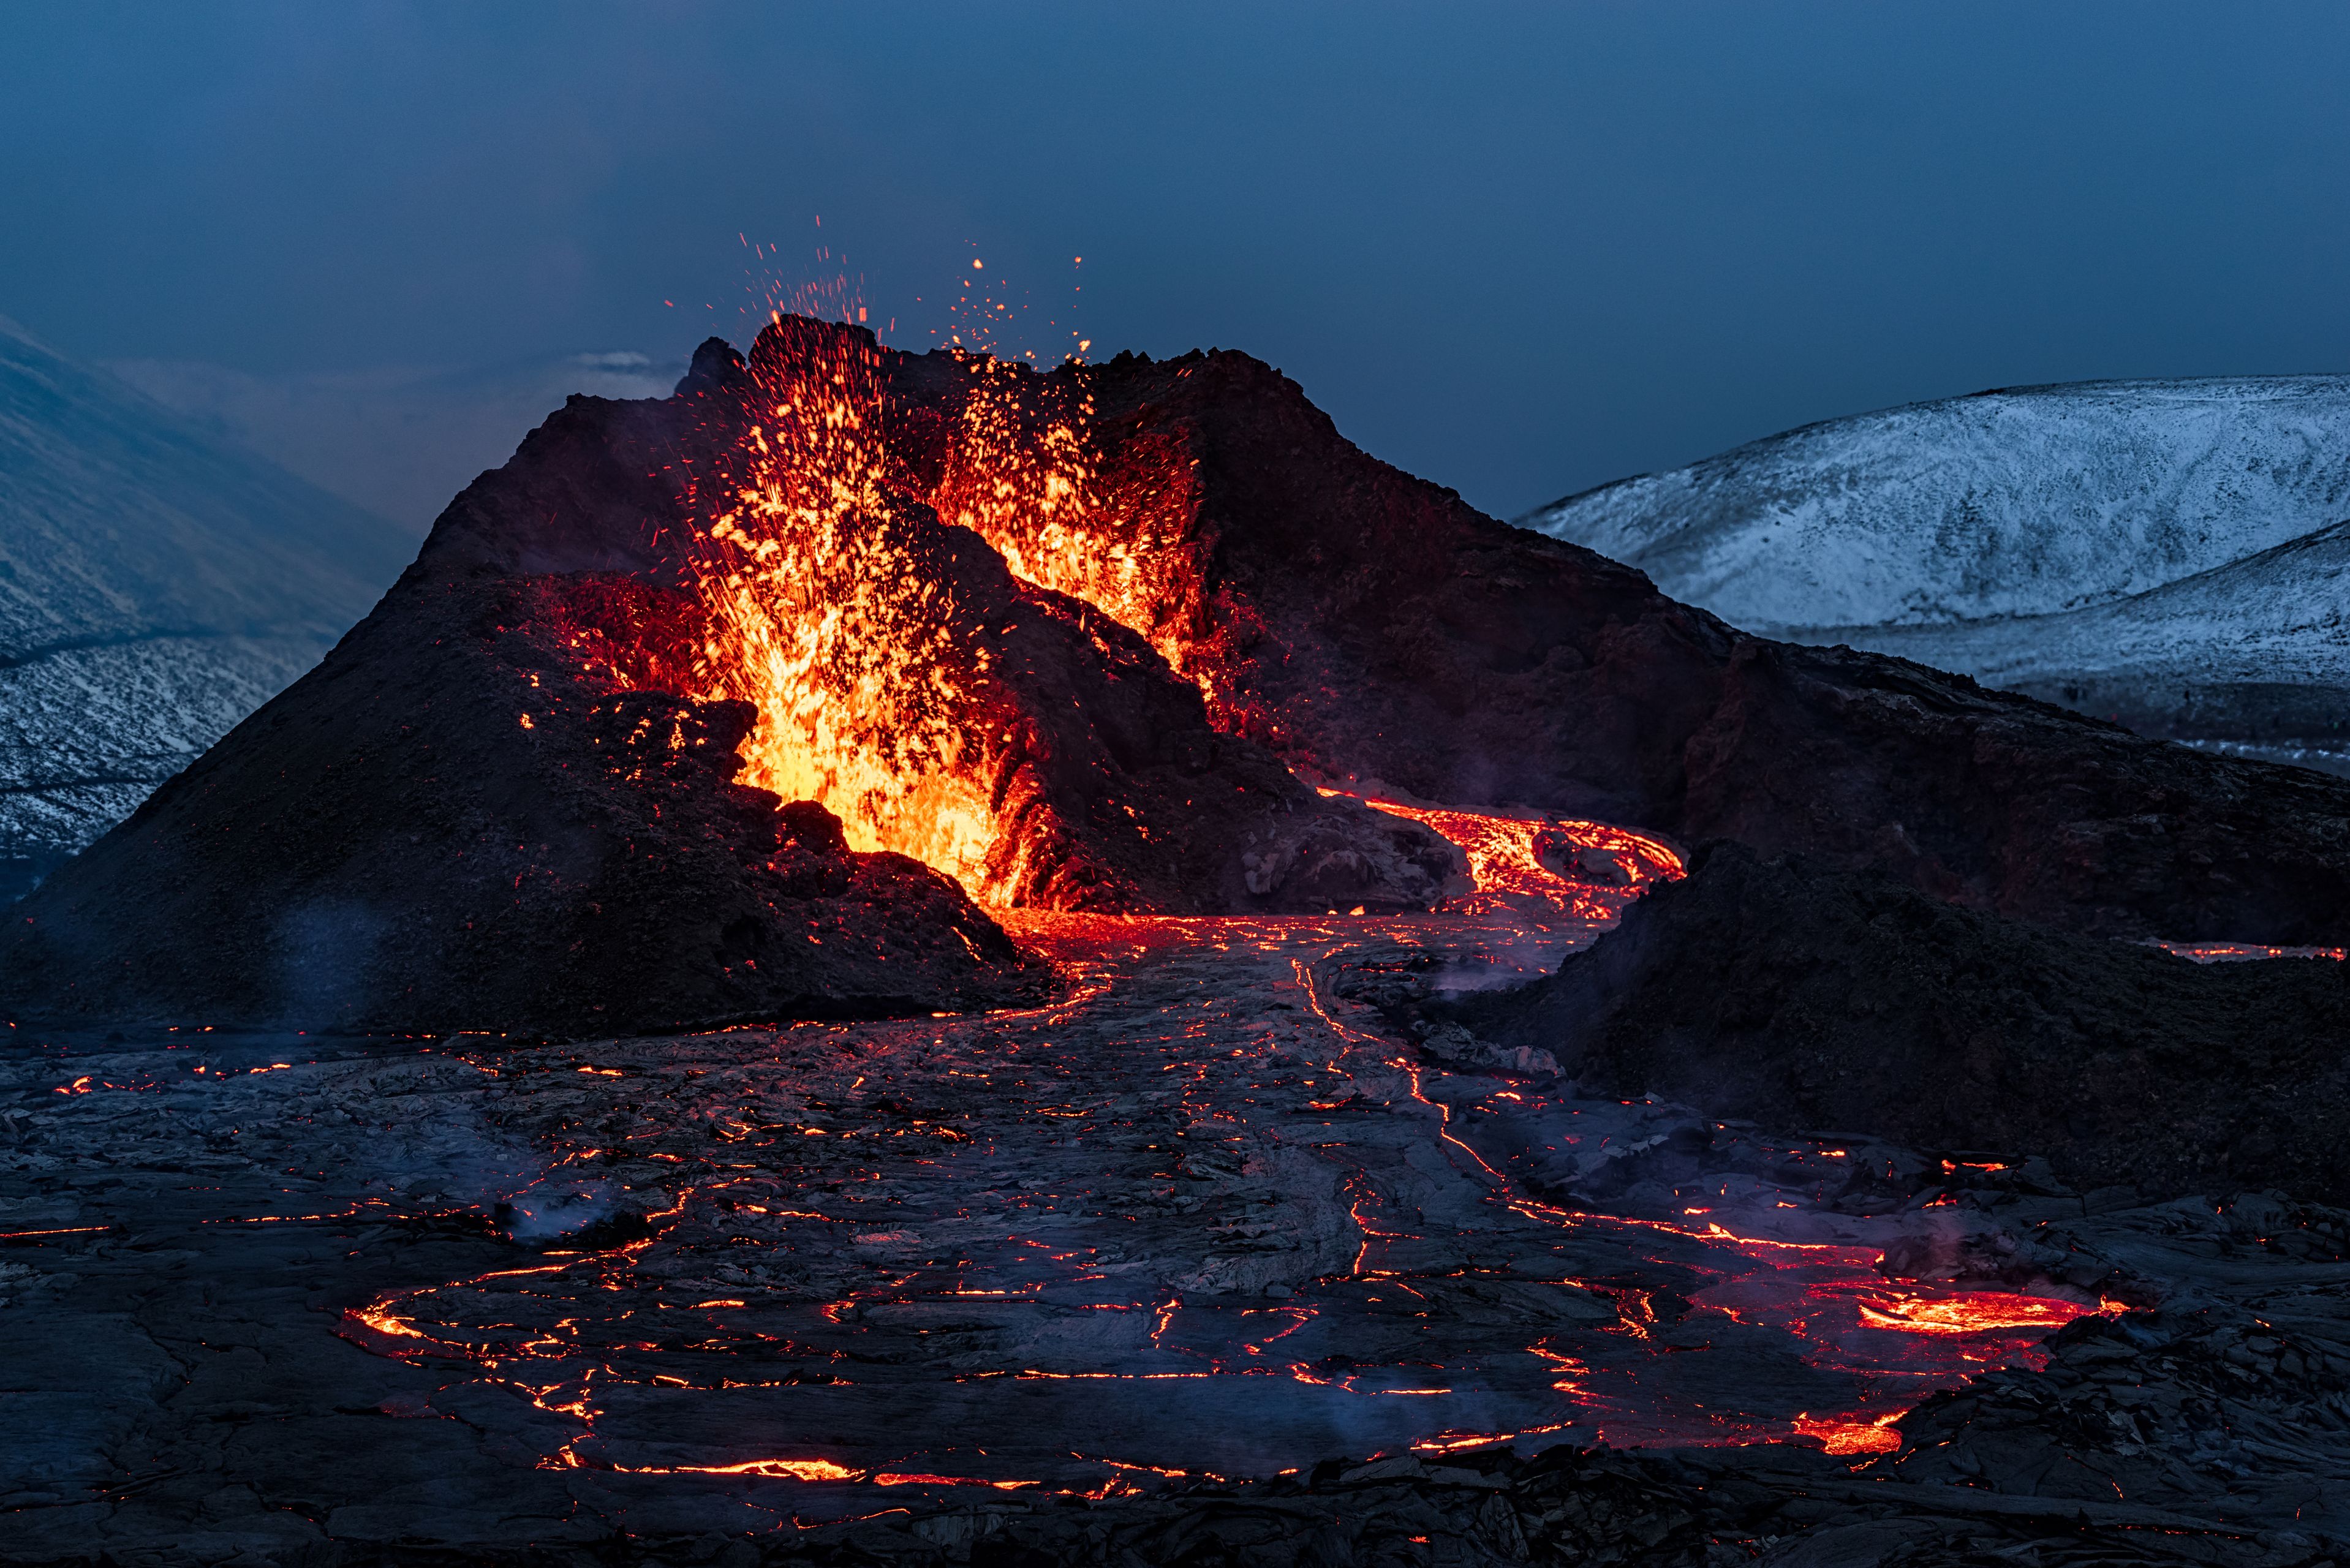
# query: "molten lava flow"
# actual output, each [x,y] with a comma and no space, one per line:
[819,619]
[2236,952]
[1851,1437]
[1971,1312]
[1585,870]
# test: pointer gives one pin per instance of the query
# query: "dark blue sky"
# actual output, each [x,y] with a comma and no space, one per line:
[1518,249]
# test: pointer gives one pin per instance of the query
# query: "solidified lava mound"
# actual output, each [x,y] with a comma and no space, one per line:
[1796,995]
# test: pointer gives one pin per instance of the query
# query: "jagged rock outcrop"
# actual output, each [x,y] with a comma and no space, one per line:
[1795,995]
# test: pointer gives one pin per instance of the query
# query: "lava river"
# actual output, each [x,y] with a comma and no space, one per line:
[1203,1217]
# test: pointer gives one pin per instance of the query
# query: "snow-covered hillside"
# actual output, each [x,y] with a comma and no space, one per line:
[2252,656]
[156,585]
[2015,502]
[2280,617]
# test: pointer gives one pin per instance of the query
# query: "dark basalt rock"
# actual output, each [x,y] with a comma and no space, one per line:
[1796,995]
[1363,623]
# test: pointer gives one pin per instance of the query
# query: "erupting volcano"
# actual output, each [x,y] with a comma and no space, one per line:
[1127,638]
[1047,880]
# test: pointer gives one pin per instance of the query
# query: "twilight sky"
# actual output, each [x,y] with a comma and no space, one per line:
[1519,249]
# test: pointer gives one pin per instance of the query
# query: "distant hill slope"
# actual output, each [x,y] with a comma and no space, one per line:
[398,441]
[2254,654]
[2170,554]
[156,585]
[2021,501]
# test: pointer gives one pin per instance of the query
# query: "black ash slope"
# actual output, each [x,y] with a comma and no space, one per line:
[1798,996]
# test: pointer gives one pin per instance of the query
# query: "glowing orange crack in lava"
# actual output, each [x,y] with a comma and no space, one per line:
[1818,1292]
[1506,860]
[1825,1295]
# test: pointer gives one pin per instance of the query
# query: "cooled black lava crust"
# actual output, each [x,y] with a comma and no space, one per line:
[1799,996]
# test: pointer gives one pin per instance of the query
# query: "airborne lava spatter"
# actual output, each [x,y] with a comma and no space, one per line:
[820,616]
[886,664]
[944,648]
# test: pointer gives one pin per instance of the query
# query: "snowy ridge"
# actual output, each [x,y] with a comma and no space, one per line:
[156,585]
[2252,657]
[2021,501]
[2281,617]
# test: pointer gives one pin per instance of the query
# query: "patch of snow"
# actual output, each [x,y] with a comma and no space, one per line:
[156,585]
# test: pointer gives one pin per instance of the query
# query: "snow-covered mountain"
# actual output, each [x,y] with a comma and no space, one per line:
[156,585]
[399,442]
[2021,501]
[2171,554]
[2252,657]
